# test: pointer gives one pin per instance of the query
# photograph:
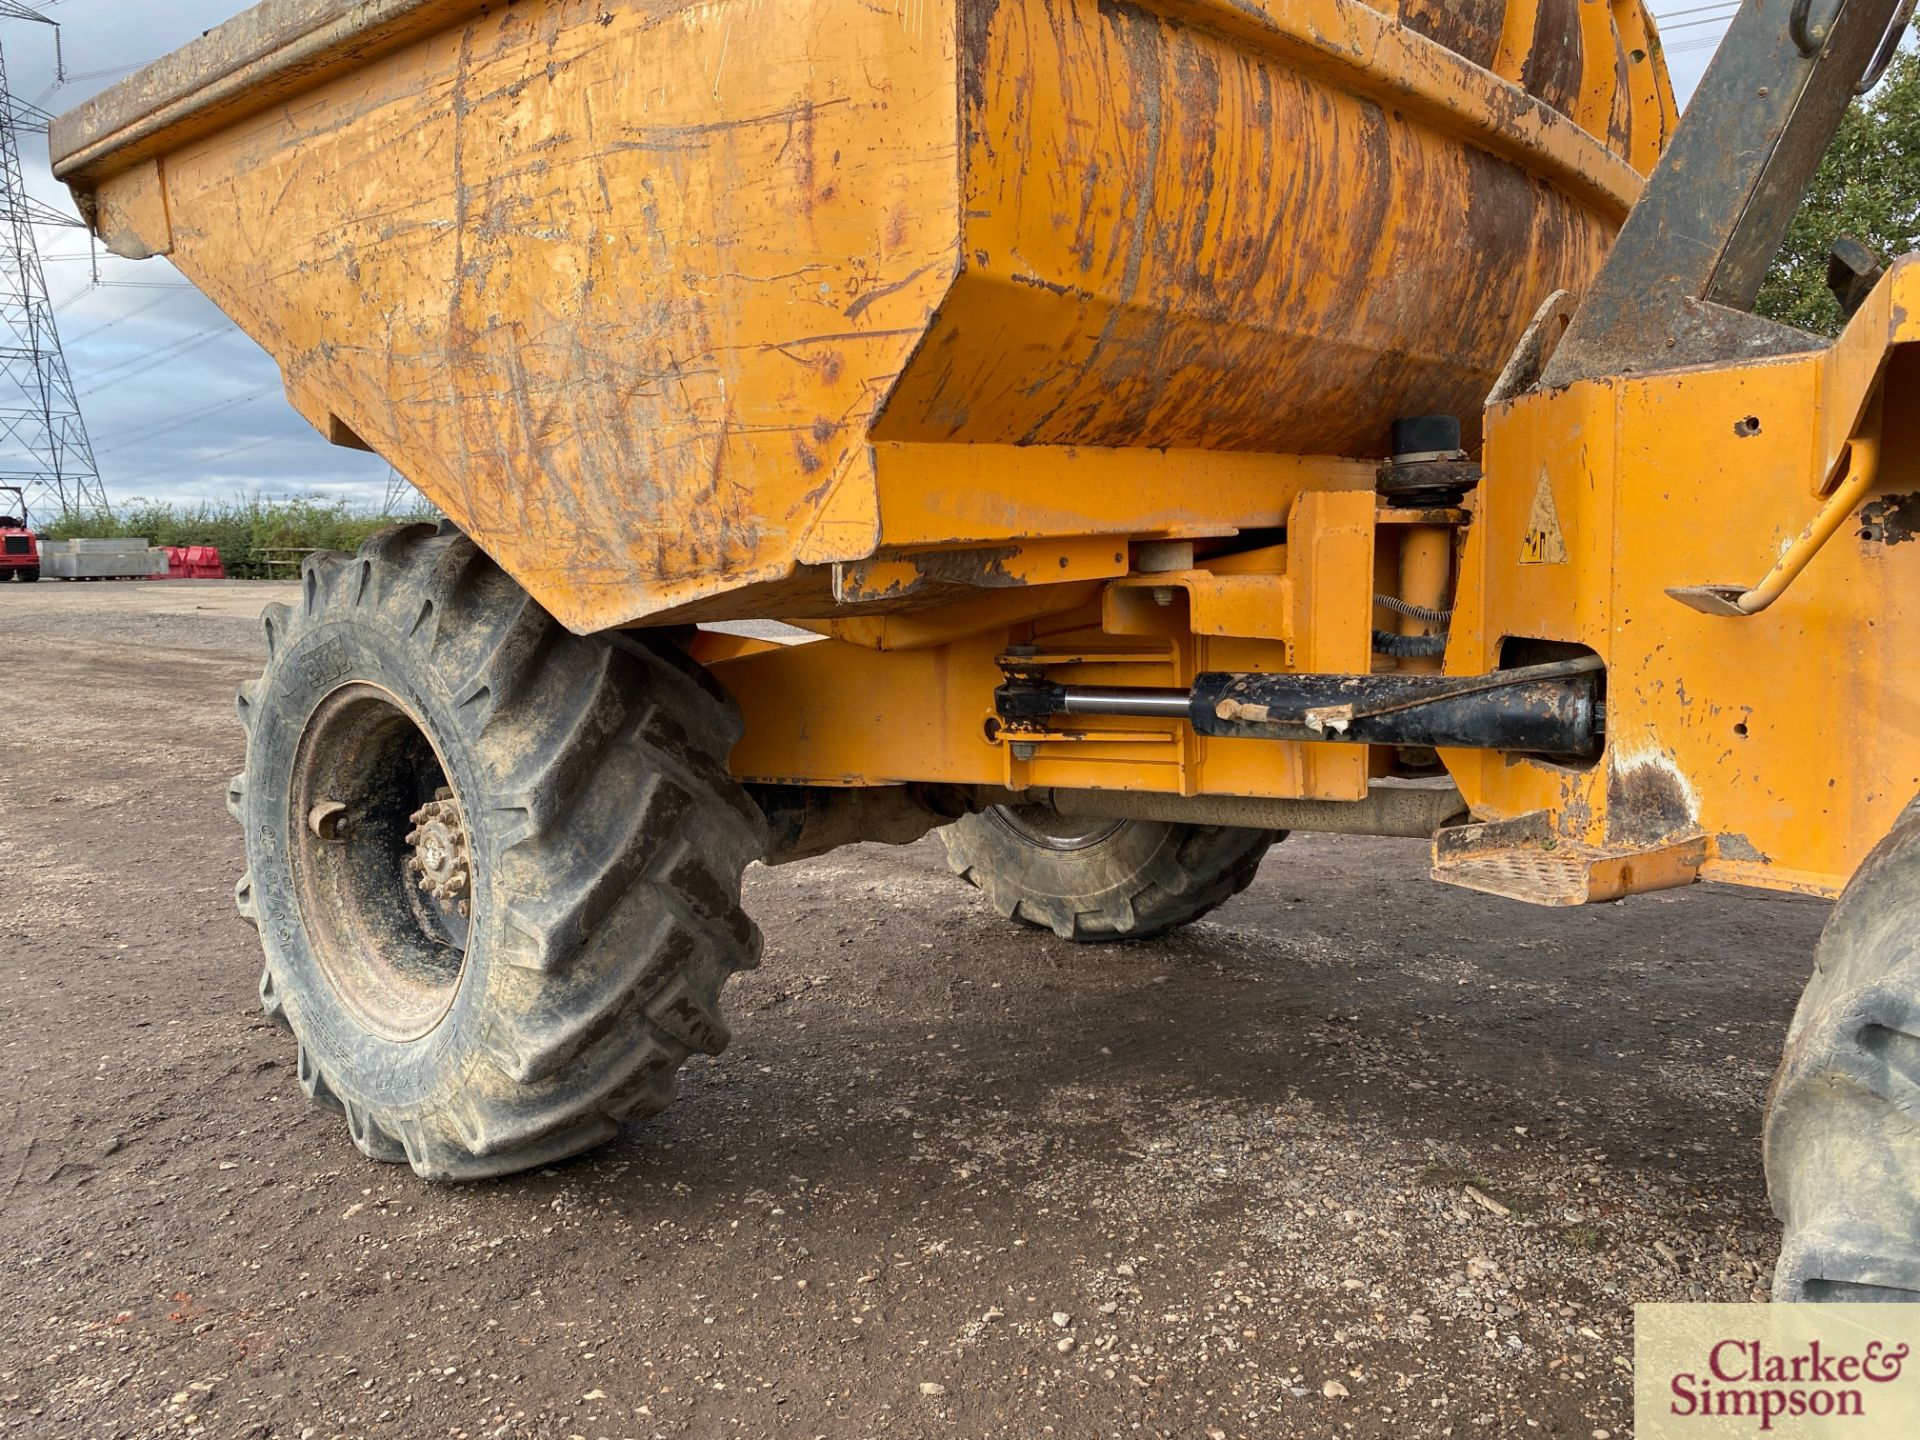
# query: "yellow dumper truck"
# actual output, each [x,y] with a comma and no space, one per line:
[1172,423]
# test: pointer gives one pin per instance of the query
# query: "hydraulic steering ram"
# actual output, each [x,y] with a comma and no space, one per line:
[1554,710]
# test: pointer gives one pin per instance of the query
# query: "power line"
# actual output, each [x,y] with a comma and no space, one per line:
[1715,18]
[204,460]
[1729,6]
[1719,20]
[112,375]
[140,435]
[84,76]
[106,74]
[120,319]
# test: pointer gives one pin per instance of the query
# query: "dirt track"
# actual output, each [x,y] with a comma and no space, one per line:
[952,1178]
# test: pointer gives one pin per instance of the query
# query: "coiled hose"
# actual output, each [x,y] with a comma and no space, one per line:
[1411,647]
[1412,611]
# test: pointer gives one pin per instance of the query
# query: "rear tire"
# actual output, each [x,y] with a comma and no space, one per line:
[1843,1115]
[29,575]
[1103,880]
[426,741]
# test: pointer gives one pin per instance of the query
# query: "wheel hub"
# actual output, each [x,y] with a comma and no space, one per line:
[381,861]
[441,859]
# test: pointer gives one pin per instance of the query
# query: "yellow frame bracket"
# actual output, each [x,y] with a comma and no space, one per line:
[1861,461]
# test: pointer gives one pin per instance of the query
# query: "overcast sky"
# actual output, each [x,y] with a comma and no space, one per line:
[180,404]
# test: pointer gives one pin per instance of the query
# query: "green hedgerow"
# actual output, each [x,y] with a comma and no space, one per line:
[241,528]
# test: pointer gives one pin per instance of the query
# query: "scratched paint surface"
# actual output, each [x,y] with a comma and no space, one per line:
[1209,246]
[629,288]
[1789,739]
[615,284]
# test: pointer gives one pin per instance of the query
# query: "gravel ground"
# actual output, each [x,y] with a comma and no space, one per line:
[1358,1156]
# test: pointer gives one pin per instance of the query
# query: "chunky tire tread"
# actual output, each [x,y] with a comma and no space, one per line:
[619,841]
[314,1082]
[1147,878]
[270,1005]
[1842,1138]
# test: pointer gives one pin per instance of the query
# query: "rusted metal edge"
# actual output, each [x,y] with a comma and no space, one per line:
[255,61]
[1367,53]
[281,47]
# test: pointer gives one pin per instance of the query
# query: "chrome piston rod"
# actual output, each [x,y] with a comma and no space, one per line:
[1078,700]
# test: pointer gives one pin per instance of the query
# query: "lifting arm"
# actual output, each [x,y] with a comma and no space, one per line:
[1677,286]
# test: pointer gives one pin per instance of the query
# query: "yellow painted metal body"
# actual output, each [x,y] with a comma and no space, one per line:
[1071,326]
[676,307]
[1787,741]
[910,697]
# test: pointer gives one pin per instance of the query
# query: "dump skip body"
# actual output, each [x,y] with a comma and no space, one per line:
[674,307]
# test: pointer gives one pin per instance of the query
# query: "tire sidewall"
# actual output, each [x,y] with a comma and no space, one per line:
[317,658]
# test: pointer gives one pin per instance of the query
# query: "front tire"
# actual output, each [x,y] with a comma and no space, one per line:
[1102,880]
[495,866]
[1842,1138]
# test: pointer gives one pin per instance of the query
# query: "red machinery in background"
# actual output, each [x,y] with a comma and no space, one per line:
[19,546]
[193,562]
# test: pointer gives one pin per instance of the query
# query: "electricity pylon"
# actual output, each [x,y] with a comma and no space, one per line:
[44,447]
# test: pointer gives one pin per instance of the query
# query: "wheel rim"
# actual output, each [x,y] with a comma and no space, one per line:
[381,861]
[1044,826]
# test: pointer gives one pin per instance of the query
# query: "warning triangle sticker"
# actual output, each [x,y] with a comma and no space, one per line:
[1543,544]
